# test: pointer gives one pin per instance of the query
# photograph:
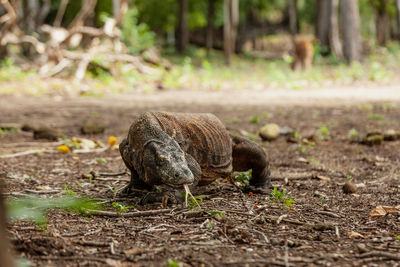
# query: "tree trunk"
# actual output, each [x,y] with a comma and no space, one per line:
[210,25]
[235,22]
[292,6]
[334,40]
[183,31]
[231,22]
[5,257]
[351,30]
[382,22]
[227,32]
[323,21]
[398,17]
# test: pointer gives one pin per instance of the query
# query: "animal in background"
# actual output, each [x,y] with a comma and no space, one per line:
[303,55]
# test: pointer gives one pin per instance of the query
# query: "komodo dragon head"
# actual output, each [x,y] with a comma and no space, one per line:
[166,162]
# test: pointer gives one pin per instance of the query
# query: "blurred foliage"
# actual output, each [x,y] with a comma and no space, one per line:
[135,35]
[36,209]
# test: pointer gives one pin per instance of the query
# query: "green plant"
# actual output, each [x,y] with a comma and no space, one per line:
[251,136]
[243,178]
[315,161]
[215,213]
[101,160]
[120,208]
[375,116]
[68,191]
[193,202]
[398,237]
[137,36]
[387,106]
[353,133]
[349,176]
[209,226]
[323,132]
[173,263]
[255,120]
[282,197]
[302,149]
[378,72]
[35,209]
[7,129]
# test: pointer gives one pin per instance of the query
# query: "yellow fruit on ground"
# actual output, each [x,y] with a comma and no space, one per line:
[112,140]
[63,149]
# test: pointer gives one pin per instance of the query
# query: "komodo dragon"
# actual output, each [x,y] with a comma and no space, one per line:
[179,149]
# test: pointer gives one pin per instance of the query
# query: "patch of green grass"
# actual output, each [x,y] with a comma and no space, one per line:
[120,208]
[8,129]
[302,149]
[101,160]
[353,134]
[255,120]
[323,132]
[251,136]
[215,213]
[315,161]
[282,197]
[68,192]
[375,116]
[173,263]
[387,106]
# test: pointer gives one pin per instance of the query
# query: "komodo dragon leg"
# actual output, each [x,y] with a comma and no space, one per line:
[247,155]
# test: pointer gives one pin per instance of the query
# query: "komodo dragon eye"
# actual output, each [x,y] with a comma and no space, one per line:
[162,157]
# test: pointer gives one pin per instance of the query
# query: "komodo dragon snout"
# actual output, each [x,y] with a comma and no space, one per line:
[166,162]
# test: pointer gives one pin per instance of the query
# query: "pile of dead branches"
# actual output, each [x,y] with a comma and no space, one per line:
[53,49]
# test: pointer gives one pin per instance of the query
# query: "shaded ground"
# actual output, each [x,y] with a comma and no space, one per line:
[254,229]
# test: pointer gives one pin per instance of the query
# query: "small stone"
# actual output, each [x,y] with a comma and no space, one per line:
[371,140]
[270,131]
[28,127]
[285,130]
[45,132]
[93,127]
[349,188]
[390,135]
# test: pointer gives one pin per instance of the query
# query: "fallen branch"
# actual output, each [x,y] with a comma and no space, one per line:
[29,152]
[111,174]
[127,214]
[383,254]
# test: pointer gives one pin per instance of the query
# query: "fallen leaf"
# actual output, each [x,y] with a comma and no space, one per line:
[63,149]
[355,235]
[381,211]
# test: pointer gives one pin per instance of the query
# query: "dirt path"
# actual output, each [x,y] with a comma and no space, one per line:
[320,228]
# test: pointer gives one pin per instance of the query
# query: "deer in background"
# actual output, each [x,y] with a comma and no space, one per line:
[303,55]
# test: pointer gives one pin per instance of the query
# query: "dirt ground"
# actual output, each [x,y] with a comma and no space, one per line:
[324,227]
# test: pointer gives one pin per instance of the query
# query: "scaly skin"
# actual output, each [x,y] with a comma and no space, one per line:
[182,148]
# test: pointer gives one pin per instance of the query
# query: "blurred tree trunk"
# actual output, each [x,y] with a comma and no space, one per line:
[210,25]
[398,17]
[5,255]
[334,39]
[292,7]
[183,30]
[323,22]
[351,30]
[382,21]
[231,21]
